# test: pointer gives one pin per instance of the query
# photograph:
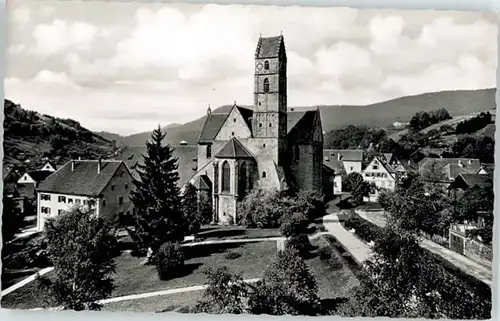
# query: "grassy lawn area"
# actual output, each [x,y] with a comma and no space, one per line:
[179,302]
[236,232]
[333,274]
[132,277]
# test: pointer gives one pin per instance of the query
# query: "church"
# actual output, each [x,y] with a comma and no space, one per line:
[266,146]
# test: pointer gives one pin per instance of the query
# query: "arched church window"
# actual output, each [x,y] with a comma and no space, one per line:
[266,65]
[270,124]
[243,184]
[266,85]
[264,174]
[226,177]
[209,151]
[297,153]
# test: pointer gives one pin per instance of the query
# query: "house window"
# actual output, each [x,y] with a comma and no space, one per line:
[70,201]
[91,203]
[77,201]
[352,168]
[375,167]
[126,186]
[60,212]
[120,200]
[270,124]
[45,210]
[259,103]
[209,151]
[266,85]
[112,187]
[226,177]
[232,133]
[62,199]
[266,65]
[234,120]
[264,145]
[264,174]
[260,124]
[45,197]
[103,203]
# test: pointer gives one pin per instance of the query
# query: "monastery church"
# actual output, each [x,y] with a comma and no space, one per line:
[267,147]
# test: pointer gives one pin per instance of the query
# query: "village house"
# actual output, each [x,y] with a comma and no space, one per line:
[445,170]
[381,174]
[352,159]
[337,168]
[99,185]
[266,146]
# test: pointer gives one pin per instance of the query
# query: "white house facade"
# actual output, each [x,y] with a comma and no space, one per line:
[380,174]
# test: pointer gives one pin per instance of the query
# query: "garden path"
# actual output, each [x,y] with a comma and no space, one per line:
[462,262]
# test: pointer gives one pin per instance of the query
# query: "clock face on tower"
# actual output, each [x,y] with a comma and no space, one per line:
[259,66]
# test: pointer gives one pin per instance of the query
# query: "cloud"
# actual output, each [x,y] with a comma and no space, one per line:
[20,16]
[60,35]
[173,60]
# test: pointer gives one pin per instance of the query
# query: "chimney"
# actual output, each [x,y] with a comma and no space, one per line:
[338,156]
[99,166]
[72,165]
[79,157]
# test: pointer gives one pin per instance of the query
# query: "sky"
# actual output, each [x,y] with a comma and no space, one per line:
[125,67]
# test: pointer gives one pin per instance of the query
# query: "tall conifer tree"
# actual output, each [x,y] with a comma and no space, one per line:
[156,198]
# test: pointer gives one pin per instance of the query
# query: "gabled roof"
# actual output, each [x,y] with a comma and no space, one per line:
[269,47]
[83,179]
[349,155]
[234,149]
[213,122]
[451,167]
[247,115]
[202,182]
[469,180]
[39,176]
[487,167]
[300,125]
[332,163]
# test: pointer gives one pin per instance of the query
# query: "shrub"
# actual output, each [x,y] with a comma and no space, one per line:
[287,287]
[293,224]
[262,209]
[363,229]
[232,255]
[169,260]
[300,243]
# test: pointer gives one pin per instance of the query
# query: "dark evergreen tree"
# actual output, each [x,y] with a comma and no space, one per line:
[157,203]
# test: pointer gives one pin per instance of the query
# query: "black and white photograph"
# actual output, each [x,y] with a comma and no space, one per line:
[248,159]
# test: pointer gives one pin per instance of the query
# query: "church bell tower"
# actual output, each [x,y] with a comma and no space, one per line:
[270,94]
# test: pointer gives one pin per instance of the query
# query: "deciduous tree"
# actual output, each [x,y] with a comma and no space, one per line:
[82,250]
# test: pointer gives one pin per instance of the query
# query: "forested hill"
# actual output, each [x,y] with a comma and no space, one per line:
[31,139]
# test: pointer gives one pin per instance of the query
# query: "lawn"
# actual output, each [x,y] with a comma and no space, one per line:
[236,232]
[333,273]
[132,277]
[178,302]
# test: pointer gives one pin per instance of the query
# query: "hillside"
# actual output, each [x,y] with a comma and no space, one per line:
[30,139]
[450,122]
[460,102]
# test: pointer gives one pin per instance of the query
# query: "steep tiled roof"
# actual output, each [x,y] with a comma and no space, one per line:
[268,47]
[247,115]
[333,163]
[350,155]
[39,176]
[451,167]
[300,125]
[83,179]
[234,149]
[213,123]
[472,180]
